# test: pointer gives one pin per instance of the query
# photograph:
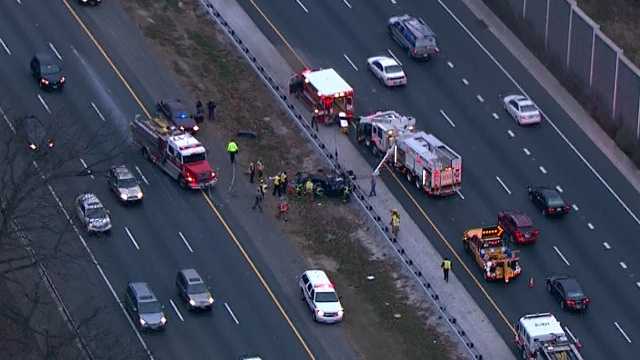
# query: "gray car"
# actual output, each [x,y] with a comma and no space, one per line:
[193,290]
[143,307]
[414,35]
[124,184]
[93,215]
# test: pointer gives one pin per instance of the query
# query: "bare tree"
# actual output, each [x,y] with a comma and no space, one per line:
[36,231]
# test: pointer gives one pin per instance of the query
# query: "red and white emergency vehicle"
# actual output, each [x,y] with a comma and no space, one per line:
[379,131]
[328,94]
[178,153]
[542,337]
[429,163]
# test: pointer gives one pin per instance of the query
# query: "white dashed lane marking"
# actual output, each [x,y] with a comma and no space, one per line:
[542,169]
[394,56]
[559,189]
[447,118]
[185,241]
[233,316]
[44,104]
[131,238]
[460,194]
[503,185]
[606,245]
[142,175]
[6,48]
[480,98]
[495,116]
[175,308]
[511,134]
[95,108]
[302,6]
[55,51]
[526,151]
[561,255]
[347,3]
[623,265]
[622,332]
[590,225]
[450,64]
[350,62]
[465,81]
[575,207]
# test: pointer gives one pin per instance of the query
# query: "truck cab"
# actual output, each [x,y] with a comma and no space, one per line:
[541,336]
[379,131]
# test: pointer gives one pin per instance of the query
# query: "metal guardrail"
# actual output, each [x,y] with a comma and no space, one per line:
[332,158]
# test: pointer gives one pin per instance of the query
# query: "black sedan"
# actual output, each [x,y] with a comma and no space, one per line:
[568,292]
[35,133]
[332,185]
[47,72]
[548,200]
[176,112]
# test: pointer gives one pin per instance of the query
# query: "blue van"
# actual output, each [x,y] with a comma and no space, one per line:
[414,35]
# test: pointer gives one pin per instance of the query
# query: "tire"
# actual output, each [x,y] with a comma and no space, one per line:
[562,305]
[418,184]
[465,245]
[315,318]
[182,182]
[409,176]
[548,286]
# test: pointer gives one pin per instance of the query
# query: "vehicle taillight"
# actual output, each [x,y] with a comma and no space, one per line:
[567,208]
[551,210]
[587,300]
[570,302]
[519,235]
[62,79]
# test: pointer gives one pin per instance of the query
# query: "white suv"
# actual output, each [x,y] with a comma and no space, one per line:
[321,296]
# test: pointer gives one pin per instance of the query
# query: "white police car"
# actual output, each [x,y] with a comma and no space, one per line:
[321,297]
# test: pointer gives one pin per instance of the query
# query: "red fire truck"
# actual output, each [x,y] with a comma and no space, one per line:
[176,152]
[328,94]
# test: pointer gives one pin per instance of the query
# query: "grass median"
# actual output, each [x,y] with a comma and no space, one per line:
[383,320]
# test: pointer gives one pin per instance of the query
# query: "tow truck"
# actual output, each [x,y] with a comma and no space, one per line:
[176,152]
[327,93]
[541,337]
[422,158]
[497,261]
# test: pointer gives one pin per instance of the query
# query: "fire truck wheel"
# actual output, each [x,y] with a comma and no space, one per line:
[409,177]
[418,184]
[182,182]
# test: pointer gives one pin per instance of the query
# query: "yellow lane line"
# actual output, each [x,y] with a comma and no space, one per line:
[455,254]
[209,202]
[415,203]
[275,29]
[257,272]
[106,57]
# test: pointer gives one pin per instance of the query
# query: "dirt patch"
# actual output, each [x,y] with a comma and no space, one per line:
[382,322]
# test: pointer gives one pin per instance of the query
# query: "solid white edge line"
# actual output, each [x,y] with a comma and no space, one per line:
[302,6]
[622,331]
[102,273]
[447,118]
[232,314]
[44,104]
[55,51]
[526,151]
[394,57]
[555,127]
[185,241]
[131,237]
[95,108]
[623,265]
[175,308]
[561,256]
[350,62]
[85,166]
[460,194]
[503,185]
[142,175]
[606,245]
[6,48]
[347,3]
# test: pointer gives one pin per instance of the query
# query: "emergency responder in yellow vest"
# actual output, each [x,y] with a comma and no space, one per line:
[395,222]
[276,185]
[446,266]
[232,149]
[308,187]
[284,183]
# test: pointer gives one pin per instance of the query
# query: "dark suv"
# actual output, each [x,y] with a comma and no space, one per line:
[414,35]
[193,290]
[143,307]
[47,72]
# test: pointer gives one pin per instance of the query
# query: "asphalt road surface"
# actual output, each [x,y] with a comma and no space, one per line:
[456,97]
[172,228]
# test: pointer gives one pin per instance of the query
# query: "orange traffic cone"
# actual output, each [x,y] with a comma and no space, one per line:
[531,284]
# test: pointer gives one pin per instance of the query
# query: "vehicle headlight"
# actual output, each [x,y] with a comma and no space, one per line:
[340,312]
[142,322]
[192,302]
[320,312]
[210,300]
[140,194]
[123,196]
[33,146]
[163,320]
[196,128]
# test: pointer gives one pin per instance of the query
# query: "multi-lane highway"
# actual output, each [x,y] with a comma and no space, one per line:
[456,97]
[172,229]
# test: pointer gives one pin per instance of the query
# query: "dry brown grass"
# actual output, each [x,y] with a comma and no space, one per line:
[208,67]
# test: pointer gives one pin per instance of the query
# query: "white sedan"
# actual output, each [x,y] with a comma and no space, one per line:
[387,70]
[522,109]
